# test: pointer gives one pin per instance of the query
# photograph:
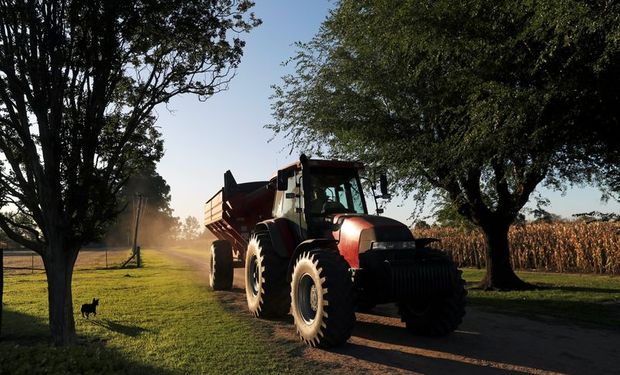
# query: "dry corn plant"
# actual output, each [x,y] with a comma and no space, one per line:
[559,247]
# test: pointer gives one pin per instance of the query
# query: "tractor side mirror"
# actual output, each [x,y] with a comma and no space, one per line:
[282,180]
[383,186]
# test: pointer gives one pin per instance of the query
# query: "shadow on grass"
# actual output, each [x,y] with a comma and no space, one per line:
[25,348]
[123,329]
[23,329]
[594,314]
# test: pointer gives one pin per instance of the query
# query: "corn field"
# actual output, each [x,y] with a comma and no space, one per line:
[557,247]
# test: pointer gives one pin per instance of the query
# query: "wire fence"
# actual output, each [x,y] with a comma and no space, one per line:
[22,261]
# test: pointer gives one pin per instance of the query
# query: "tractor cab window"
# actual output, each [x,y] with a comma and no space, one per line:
[335,191]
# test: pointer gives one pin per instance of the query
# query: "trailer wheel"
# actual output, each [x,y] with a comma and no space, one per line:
[322,298]
[221,265]
[266,289]
[437,317]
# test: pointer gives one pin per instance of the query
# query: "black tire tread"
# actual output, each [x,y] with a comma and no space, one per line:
[338,323]
[221,265]
[275,301]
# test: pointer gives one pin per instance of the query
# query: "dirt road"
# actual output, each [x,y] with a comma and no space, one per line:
[486,343]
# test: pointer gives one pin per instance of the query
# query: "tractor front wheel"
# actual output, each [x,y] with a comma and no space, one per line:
[221,265]
[322,298]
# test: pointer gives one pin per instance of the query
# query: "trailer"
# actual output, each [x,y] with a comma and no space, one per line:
[230,215]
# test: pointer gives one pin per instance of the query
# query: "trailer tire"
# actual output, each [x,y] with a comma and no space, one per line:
[440,316]
[221,265]
[266,288]
[322,298]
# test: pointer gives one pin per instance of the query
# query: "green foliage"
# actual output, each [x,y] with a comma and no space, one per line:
[447,215]
[158,226]
[608,176]
[79,81]
[155,320]
[540,213]
[191,229]
[421,224]
[479,101]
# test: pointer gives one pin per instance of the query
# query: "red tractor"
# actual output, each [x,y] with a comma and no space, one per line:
[310,247]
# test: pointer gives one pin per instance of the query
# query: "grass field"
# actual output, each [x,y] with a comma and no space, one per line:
[585,299]
[154,320]
[162,319]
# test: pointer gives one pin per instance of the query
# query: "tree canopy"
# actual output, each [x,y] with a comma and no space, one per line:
[191,229]
[478,100]
[79,81]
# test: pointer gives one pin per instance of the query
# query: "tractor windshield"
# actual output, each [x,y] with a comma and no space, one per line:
[335,190]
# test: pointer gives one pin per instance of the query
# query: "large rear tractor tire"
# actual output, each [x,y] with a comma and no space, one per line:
[266,288]
[322,298]
[221,265]
[439,316]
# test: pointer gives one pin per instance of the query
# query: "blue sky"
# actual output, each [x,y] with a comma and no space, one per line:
[204,139]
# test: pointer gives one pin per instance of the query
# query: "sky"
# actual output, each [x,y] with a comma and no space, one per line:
[204,139]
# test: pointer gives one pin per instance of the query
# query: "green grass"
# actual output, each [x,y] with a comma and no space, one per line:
[154,320]
[162,320]
[590,300]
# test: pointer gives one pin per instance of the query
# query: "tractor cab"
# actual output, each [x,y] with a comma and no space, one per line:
[310,192]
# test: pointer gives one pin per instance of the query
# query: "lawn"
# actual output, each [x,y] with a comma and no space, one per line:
[590,300]
[162,320]
[154,320]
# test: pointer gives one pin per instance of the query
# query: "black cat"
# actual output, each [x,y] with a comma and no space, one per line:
[90,308]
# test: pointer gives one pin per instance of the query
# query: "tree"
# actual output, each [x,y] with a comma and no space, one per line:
[191,228]
[158,225]
[79,81]
[608,174]
[447,215]
[478,100]
[421,224]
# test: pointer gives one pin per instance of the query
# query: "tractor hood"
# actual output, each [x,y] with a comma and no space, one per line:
[355,233]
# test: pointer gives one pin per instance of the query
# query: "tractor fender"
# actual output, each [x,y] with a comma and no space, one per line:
[322,243]
[282,236]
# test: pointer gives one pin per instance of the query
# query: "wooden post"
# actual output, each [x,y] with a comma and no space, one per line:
[135,248]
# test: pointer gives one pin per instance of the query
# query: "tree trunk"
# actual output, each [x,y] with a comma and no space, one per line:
[500,274]
[59,270]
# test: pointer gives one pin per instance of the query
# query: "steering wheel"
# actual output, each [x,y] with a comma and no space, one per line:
[332,207]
